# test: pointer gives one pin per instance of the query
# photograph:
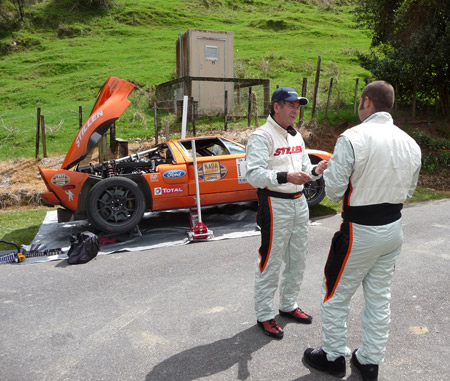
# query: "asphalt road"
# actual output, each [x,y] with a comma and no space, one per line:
[186,312]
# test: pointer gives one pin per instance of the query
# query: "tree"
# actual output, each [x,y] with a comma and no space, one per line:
[410,47]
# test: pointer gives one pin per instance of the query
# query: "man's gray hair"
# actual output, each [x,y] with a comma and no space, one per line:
[272,111]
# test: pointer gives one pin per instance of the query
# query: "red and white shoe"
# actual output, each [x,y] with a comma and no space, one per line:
[298,315]
[271,328]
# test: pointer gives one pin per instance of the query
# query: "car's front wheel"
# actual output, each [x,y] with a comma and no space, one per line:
[115,205]
[314,192]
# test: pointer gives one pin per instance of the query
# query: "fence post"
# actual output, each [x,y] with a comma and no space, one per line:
[44,141]
[414,100]
[395,98]
[329,97]
[302,108]
[38,127]
[166,130]
[225,111]
[355,101]
[193,115]
[255,108]
[80,117]
[266,98]
[102,149]
[112,137]
[238,96]
[338,102]
[316,87]
[249,111]
[156,123]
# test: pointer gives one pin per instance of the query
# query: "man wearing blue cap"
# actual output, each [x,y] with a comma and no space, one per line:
[278,165]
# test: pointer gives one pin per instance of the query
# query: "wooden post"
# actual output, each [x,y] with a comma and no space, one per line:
[414,100]
[38,128]
[266,98]
[193,115]
[238,96]
[112,137]
[225,111]
[355,101]
[156,123]
[302,108]
[338,102]
[80,117]
[44,141]
[102,149]
[329,98]
[166,130]
[316,88]
[249,110]
[255,108]
[395,97]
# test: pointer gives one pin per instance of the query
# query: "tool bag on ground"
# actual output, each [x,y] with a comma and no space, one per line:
[84,246]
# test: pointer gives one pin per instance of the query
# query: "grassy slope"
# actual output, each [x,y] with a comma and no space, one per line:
[136,41]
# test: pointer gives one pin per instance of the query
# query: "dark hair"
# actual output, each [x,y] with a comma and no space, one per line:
[272,110]
[381,93]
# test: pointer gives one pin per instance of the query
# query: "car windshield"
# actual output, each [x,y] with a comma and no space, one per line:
[212,147]
[234,147]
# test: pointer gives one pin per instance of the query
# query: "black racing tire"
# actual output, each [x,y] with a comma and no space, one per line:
[314,192]
[115,205]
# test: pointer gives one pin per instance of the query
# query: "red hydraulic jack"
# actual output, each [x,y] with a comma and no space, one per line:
[199,231]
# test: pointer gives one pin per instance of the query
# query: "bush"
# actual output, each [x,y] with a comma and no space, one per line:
[102,4]
[426,141]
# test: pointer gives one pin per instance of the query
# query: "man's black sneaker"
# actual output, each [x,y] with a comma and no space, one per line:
[369,372]
[298,315]
[317,358]
[271,328]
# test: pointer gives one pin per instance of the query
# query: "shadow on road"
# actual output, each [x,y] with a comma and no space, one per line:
[209,359]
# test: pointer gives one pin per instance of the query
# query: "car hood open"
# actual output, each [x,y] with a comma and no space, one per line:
[110,105]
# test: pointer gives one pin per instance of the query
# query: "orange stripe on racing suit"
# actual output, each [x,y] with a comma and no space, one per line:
[266,224]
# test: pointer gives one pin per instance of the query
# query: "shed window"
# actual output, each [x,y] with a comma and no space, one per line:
[212,52]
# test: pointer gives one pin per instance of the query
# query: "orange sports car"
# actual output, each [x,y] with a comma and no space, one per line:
[115,194]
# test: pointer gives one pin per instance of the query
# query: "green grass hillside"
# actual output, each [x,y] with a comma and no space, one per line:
[63,53]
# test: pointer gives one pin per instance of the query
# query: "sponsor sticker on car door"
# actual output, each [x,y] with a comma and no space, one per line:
[241,166]
[212,171]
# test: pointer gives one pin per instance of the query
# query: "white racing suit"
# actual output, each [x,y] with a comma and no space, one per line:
[283,214]
[374,169]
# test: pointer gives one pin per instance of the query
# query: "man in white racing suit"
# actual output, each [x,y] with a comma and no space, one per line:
[374,169]
[278,165]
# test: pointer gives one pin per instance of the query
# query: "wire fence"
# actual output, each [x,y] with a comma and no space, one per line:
[227,98]
[157,115]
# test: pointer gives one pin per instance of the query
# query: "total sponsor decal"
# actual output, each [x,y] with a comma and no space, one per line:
[212,171]
[163,191]
[174,174]
[60,179]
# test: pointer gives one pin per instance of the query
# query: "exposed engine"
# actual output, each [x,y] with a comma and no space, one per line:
[141,162]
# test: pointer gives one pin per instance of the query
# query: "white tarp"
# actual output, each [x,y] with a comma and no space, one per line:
[159,229]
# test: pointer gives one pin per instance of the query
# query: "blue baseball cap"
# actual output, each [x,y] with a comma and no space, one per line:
[288,94]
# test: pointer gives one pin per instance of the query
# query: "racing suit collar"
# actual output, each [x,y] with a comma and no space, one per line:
[291,130]
[379,117]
